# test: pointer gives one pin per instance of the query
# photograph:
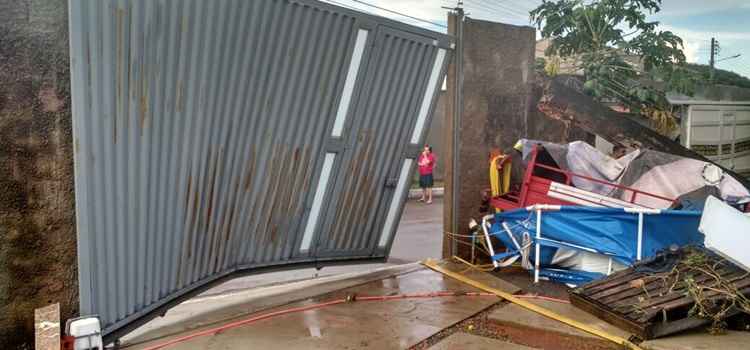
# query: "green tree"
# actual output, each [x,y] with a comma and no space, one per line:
[623,55]
[721,76]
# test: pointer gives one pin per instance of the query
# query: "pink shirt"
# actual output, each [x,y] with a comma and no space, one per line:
[426,163]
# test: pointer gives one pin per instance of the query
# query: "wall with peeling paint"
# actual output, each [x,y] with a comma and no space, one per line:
[37,226]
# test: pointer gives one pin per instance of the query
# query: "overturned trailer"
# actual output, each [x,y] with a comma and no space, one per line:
[214,138]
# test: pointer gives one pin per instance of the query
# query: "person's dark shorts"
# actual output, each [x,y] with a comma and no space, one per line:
[425,181]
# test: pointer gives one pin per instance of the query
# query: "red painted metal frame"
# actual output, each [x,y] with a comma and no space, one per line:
[534,189]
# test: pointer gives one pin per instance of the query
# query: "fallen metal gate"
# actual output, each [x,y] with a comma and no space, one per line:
[213,137]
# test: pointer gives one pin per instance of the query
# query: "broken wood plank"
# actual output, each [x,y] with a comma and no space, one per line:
[632,296]
[686,301]
[602,312]
[47,327]
[659,304]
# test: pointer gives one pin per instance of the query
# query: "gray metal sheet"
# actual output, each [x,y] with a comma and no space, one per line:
[201,130]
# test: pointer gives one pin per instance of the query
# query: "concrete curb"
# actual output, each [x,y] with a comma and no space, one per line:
[437,192]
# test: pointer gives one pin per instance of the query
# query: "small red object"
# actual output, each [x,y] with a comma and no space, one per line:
[67,342]
[538,180]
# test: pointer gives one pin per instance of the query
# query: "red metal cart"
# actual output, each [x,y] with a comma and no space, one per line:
[545,183]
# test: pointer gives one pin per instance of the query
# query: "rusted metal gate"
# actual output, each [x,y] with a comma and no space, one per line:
[213,137]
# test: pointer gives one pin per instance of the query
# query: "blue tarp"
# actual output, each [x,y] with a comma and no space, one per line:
[609,231]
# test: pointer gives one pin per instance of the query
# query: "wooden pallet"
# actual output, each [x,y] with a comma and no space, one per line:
[645,303]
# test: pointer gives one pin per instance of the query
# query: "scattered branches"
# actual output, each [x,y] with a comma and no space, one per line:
[714,299]
[705,280]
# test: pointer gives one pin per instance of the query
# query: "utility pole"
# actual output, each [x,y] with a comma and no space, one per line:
[712,61]
[452,134]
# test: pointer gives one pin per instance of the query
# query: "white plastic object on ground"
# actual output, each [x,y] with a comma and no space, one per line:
[727,231]
[87,332]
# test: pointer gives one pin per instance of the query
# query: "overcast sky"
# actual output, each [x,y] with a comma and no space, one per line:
[696,21]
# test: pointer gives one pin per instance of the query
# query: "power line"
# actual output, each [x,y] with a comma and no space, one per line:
[399,13]
[496,11]
[729,58]
[501,7]
[533,3]
[475,9]
[484,7]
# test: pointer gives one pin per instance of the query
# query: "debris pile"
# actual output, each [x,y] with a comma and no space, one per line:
[631,228]
[674,291]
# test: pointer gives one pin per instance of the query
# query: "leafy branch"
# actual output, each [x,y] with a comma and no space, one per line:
[622,55]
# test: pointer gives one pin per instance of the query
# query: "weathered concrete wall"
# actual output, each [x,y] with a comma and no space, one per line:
[37,218]
[499,107]
[498,62]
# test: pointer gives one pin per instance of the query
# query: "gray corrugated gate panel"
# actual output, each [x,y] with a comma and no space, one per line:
[201,131]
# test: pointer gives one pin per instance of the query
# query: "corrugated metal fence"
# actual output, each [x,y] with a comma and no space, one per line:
[219,136]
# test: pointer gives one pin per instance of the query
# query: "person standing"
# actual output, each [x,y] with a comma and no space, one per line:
[426,162]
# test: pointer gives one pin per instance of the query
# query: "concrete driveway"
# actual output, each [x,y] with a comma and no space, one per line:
[418,237]
[419,234]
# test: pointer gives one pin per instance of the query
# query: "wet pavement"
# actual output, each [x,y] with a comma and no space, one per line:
[391,324]
[419,234]
[417,238]
[461,341]
[522,326]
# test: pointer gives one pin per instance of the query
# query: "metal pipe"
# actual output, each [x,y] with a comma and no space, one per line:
[641,212]
[639,249]
[487,238]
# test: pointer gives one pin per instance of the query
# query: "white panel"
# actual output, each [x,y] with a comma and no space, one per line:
[705,115]
[743,132]
[398,196]
[428,94]
[689,128]
[726,231]
[742,116]
[351,79]
[704,135]
[312,219]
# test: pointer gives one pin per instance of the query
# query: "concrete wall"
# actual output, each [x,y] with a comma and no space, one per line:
[498,63]
[37,218]
[500,97]
[498,74]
